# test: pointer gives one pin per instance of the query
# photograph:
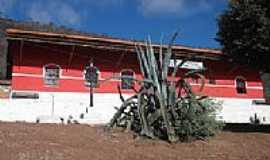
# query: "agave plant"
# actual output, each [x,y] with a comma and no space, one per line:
[164,109]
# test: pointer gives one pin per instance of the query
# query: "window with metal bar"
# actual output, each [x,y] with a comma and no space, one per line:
[127,79]
[51,74]
[241,85]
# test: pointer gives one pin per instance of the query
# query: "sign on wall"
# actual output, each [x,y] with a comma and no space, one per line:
[188,64]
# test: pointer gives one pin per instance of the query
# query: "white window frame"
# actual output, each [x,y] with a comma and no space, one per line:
[44,74]
[242,78]
[134,76]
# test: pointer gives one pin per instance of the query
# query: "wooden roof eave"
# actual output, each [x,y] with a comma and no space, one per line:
[108,44]
[74,43]
[179,54]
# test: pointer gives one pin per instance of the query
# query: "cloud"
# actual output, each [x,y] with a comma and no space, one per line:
[53,11]
[161,6]
[180,8]
[100,4]
[73,12]
[6,5]
[63,12]
[66,12]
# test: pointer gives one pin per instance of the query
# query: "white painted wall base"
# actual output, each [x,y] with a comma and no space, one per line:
[74,104]
[242,110]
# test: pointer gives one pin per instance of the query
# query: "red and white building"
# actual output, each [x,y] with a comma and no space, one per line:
[48,70]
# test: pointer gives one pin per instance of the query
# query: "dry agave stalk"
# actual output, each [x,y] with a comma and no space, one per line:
[164,109]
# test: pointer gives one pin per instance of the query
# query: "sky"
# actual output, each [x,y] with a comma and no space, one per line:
[195,20]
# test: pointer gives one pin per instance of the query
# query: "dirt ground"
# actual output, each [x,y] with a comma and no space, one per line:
[21,141]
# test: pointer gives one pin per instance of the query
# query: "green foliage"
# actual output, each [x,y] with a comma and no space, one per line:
[37,26]
[163,109]
[244,32]
[198,121]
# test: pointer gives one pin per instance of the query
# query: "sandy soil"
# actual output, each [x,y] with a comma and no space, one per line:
[21,141]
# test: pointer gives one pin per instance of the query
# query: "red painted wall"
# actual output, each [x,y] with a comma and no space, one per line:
[28,70]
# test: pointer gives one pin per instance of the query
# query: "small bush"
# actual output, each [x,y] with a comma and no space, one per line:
[197,121]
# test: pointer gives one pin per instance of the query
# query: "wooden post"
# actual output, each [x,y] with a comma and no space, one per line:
[91,96]
[3,58]
[91,65]
[71,54]
[21,53]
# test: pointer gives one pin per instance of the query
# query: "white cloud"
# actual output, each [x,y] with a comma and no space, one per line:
[71,12]
[96,3]
[181,8]
[68,15]
[53,11]
[64,12]
[159,6]
[6,5]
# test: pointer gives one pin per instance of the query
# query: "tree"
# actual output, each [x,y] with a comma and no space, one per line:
[244,34]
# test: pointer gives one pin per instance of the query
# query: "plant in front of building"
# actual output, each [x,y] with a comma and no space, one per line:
[166,109]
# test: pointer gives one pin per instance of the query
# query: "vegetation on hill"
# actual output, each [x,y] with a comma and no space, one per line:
[37,26]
